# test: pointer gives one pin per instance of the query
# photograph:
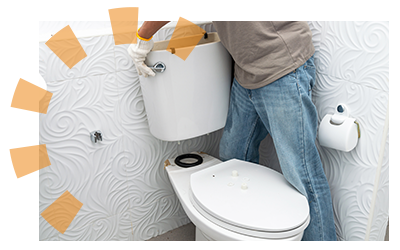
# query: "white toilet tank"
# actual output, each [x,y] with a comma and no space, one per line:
[191,97]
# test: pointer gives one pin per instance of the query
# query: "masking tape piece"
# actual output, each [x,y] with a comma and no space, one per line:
[30,97]
[185,37]
[44,100]
[29,159]
[124,23]
[44,160]
[62,212]
[67,47]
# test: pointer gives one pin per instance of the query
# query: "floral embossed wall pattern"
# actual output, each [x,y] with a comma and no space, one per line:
[121,181]
[352,61]
[352,67]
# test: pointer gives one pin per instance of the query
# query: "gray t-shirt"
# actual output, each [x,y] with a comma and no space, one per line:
[265,51]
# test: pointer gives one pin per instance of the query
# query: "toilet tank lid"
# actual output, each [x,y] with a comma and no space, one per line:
[250,196]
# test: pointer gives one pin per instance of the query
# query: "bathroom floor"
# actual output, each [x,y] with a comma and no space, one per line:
[187,233]
[183,233]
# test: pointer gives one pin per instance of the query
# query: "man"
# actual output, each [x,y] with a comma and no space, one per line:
[271,94]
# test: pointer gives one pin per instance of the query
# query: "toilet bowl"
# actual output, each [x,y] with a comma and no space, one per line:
[232,200]
[238,200]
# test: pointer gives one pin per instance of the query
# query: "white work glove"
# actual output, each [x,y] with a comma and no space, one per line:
[138,52]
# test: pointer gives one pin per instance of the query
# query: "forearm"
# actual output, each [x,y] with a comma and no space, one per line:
[149,28]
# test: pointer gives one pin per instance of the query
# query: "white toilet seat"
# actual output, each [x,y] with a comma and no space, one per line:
[250,199]
[248,232]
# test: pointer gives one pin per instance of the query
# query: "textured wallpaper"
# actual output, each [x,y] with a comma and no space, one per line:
[121,182]
[353,68]
[352,62]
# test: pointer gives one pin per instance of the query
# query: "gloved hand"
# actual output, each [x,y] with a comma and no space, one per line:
[138,52]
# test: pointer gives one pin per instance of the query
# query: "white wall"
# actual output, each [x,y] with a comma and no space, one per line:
[125,192]
[352,61]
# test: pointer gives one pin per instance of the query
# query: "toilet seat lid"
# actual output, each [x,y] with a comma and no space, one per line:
[249,196]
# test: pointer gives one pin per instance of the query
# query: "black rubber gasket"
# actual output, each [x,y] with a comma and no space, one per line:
[178,160]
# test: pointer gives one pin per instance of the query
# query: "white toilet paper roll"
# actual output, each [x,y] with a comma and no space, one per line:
[342,136]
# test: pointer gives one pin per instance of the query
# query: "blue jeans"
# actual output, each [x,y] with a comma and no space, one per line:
[284,110]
